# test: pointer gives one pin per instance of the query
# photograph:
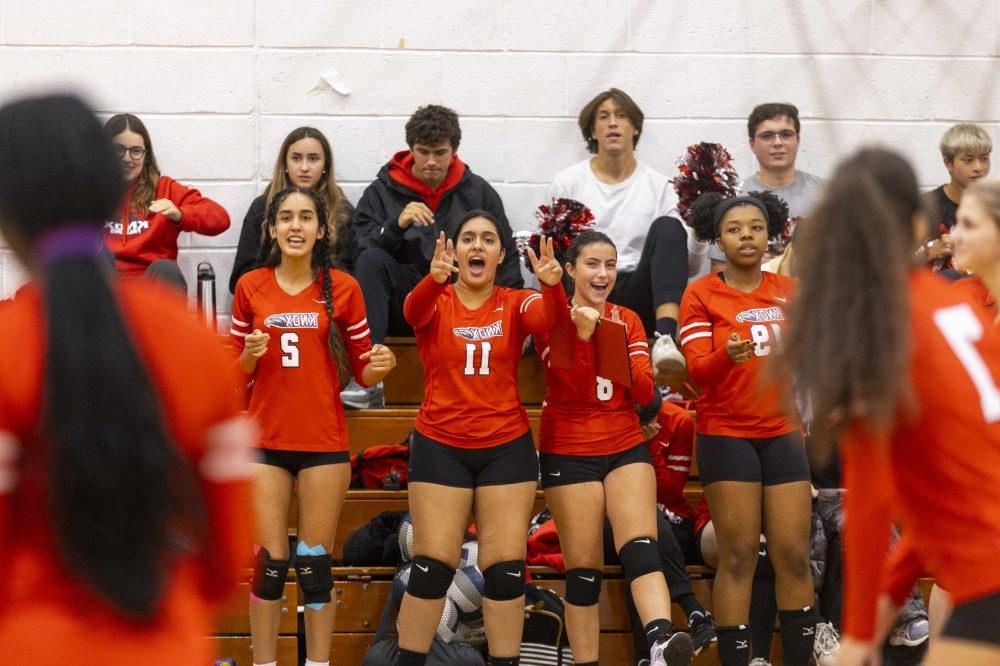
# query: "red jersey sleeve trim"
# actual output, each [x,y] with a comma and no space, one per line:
[419,306]
[867,477]
[539,312]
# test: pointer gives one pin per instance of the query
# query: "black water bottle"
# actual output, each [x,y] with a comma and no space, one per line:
[206,294]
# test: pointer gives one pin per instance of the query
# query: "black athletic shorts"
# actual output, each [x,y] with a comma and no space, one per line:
[296,461]
[434,462]
[561,470]
[770,461]
[977,620]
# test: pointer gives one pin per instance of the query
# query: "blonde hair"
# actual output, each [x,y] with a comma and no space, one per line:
[967,138]
[987,192]
[338,213]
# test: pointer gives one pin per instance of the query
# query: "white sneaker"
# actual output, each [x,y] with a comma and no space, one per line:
[911,634]
[826,644]
[760,661]
[665,357]
[355,396]
[678,650]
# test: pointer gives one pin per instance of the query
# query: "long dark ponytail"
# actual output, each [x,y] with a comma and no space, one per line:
[111,459]
[849,339]
[322,262]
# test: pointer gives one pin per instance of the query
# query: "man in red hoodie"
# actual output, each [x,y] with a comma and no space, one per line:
[418,194]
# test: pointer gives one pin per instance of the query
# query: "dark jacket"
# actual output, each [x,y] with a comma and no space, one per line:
[249,245]
[377,214]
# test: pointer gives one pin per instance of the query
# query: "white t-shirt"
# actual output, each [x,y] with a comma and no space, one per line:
[625,210]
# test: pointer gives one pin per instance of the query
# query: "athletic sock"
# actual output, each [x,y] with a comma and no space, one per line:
[666,326]
[658,631]
[410,658]
[734,645]
[689,604]
[310,662]
[798,631]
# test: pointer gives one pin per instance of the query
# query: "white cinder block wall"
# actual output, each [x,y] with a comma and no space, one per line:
[220,82]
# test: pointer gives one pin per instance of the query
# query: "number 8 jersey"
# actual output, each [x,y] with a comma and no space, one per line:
[296,395]
[470,360]
[735,400]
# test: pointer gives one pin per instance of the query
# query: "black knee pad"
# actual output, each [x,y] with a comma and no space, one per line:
[269,576]
[429,578]
[504,581]
[639,557]
[583,586]
[315,577]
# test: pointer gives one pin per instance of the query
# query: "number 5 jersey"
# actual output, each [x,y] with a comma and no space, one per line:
[296,395]
[736,399]
[470,360]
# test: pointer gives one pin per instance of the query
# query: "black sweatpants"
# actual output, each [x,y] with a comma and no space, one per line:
[661,275]
[385,283]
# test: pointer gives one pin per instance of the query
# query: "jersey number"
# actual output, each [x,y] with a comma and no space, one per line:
[605,389]
[470,359]
[760,334]
[963,330]
[289,352]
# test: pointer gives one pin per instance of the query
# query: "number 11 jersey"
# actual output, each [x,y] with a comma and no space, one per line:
[470,360]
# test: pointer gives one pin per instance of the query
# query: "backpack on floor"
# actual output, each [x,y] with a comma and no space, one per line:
[383,466]
[376,543]
[544,641]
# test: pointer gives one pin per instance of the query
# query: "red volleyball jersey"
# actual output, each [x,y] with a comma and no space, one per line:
[48,614]
[470,360]
[974,287]
[296,395]
[938,471]
[587,415]
[671,450]
[735,400]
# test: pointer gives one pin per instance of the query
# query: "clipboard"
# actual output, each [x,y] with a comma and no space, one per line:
[610,342]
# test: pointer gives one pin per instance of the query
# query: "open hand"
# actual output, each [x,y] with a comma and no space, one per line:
[443,263]
[166,207]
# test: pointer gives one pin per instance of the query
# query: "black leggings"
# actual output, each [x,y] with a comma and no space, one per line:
[385,284]
[661,275]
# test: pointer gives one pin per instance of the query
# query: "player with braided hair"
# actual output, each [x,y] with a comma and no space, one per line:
[750,453]
[315,315]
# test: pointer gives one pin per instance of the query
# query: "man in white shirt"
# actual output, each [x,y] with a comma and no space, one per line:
[775,132]
[634,205]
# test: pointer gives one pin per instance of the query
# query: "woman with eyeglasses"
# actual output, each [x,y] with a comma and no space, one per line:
[155,209]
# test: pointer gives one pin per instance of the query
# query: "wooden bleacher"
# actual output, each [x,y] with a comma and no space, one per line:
[360,592]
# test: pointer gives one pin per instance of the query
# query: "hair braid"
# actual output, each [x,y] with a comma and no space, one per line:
[335,339]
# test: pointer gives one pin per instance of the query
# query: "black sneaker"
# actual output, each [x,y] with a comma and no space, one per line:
[702,630]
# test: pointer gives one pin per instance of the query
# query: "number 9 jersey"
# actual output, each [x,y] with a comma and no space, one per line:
[735,400]
[470,360]
[296,394]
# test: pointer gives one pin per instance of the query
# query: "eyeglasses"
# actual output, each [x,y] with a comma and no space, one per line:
[768,137]
[135,152]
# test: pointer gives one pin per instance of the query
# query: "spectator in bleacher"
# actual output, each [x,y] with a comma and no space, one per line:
[636,207]
[594,459]
[123,472]
[154,210]
[775,132]
[924,452]
[316,316]
[305,160]
[471,447]
[751,457]
[420,193]
[965,149]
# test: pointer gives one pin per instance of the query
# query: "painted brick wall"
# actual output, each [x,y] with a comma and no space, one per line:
[220,83]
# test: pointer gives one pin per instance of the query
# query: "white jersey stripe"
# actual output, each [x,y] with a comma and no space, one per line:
[696,324]
[694,336]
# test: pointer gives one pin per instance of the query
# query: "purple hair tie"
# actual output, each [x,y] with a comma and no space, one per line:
[66,240]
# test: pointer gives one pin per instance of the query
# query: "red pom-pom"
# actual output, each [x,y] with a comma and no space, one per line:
[561,221]
[706,167]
